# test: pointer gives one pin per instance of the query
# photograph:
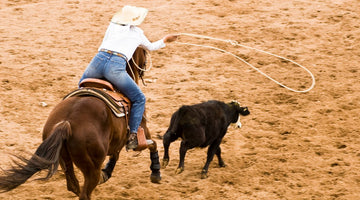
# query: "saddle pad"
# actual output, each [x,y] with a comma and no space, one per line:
[117,107]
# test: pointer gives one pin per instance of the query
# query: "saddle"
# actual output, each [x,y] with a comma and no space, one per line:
[118,103]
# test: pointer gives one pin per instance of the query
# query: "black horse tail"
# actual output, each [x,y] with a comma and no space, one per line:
[46,157]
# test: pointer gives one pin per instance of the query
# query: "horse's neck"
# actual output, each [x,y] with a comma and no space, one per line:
[138,60]
[133,72]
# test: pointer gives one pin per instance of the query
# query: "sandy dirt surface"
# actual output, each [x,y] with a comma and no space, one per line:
[292,146]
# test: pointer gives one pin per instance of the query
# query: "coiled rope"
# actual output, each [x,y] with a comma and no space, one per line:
[235,43]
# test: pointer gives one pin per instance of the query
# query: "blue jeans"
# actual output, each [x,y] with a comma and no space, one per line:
[113,68]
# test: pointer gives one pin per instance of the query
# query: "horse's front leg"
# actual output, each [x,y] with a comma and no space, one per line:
[155,176]
[109,168]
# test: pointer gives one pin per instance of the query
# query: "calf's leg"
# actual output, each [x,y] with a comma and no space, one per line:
[218,154]
[168,138]
[183,149]
[213,148]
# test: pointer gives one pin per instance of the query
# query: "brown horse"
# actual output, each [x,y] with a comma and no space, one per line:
[81,131]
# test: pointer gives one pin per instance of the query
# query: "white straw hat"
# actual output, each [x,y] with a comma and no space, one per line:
[130,15]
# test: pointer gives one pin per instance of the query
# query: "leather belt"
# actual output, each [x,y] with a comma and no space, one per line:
[114,53]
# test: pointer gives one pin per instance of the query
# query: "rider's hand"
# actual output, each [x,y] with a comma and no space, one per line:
[170,38]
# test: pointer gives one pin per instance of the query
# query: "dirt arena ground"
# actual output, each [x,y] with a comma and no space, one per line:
[292,146]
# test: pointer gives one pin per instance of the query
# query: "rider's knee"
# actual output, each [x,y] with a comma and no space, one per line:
[141,99]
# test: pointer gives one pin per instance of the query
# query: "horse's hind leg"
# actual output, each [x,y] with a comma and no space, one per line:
[68,167]
[89,161]
[109,168]
[92,176]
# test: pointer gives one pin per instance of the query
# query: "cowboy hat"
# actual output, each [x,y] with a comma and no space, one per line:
[130,15]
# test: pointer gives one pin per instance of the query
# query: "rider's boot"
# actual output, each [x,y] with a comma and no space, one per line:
[132,141]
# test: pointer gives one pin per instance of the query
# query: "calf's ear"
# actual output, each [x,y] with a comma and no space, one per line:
[234,102]
[236,106]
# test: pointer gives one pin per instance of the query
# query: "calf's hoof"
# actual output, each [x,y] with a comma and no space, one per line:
[155,177]
[222,164]
[204,174]
[165,162]
[179,170]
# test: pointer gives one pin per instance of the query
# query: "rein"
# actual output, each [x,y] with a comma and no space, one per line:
[139,68]
[235,43]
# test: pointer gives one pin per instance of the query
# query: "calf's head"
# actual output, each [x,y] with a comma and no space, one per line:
[240,111]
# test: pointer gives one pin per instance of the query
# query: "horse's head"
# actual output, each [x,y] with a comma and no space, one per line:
[137,64]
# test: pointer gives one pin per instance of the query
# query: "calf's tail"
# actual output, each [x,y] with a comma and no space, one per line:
[46,157]
[170,136]
[175,126]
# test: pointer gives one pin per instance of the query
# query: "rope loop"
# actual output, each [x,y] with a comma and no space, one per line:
[235,43]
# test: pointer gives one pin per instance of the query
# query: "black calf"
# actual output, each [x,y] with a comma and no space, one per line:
[201,125]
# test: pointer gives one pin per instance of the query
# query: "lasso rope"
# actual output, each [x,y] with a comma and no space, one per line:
[137,66]
[235,43]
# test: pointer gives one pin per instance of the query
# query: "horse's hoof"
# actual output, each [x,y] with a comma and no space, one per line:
[103,178]
[155,178]
[164,163]
[179,170]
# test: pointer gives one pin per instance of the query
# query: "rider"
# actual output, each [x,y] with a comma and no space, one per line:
[121,39]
